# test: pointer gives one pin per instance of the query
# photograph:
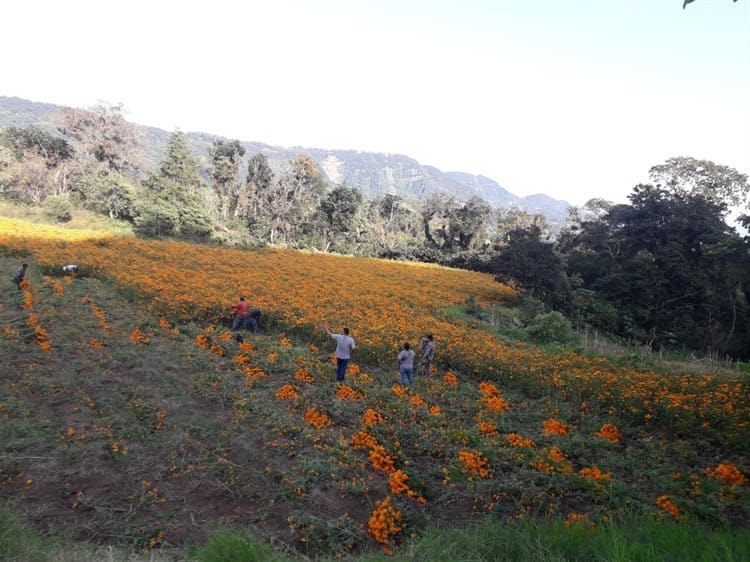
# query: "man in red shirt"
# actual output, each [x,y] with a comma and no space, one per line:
[242,308]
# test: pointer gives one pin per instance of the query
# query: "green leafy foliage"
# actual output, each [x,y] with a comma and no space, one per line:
[59,208]
[551,327]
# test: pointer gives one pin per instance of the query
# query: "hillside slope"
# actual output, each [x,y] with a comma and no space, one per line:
[374,174]
[129,414]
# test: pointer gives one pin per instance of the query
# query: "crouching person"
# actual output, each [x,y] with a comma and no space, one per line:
[253,320]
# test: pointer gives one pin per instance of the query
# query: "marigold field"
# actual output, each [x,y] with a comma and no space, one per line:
[129,414]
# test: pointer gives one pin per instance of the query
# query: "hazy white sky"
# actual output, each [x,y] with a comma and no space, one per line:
[575,99]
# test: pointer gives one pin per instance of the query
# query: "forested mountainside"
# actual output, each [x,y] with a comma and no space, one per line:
[666,270]
[374,174]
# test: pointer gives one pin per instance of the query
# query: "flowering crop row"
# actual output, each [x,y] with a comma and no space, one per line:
[385,304]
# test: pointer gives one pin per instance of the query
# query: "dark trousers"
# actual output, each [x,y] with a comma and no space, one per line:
[341,365]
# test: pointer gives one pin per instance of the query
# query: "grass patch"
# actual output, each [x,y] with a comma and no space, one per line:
[80,219]
[632,540]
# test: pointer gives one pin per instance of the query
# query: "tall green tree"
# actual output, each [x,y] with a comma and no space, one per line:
[530,263]
[226,159]
[258,184]
[107,157]
[103,134]
[393,225]
[28,141]
[340,208]
[469,223]
[181,166]
[103,190]
[37,164]
[437,211]
[689,176]
[170,204]
[664,263]
[290,203]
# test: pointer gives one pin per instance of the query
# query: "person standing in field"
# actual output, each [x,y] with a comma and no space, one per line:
[243,313]
[19,275]
[406,364]
[428,354]
[344,348]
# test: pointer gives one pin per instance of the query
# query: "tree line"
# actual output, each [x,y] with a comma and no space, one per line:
[665,270]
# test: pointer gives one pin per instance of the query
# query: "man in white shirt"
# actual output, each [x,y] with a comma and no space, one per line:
[344,348]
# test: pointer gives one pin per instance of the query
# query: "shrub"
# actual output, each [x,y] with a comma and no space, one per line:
[58,208]
[551,327]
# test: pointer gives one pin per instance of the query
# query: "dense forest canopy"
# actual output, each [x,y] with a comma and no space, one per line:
[664,270]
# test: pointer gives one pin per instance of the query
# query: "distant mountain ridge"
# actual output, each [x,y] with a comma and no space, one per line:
[374,174]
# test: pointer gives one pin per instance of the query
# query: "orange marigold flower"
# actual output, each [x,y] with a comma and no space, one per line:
[557,455]
[317,419]
[610,433]
[516,440]
[487,428]
[496,404]
[665,504]
[348,393]
[727,473]
[555,427]
[399,391]
[385,522]
[595,473]
[241,359]
[561,462]
[253,372]
[450,378]
[363,440]
[381,460]
[372,417]
[475,462]
[286,392]
[488,389]
[138,337]
[304,375]
[397,482]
